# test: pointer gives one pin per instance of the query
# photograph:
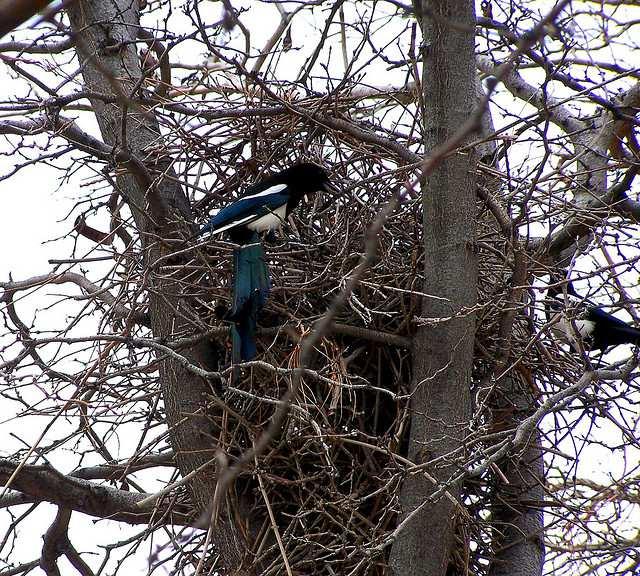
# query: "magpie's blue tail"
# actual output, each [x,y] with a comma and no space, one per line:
[251,286]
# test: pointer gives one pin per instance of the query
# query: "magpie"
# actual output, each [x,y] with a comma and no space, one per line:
[263,207]
[577,319]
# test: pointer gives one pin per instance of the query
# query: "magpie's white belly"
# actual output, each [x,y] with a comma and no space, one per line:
[269,221]
[570,331]
[584,327]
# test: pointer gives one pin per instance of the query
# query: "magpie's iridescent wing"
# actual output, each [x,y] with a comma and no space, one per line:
[247,209]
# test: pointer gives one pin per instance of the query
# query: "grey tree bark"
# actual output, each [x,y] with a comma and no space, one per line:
[516,510]
[105,32]
[443,351]
[516,513]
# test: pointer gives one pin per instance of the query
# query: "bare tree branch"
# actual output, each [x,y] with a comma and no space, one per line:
[46,483]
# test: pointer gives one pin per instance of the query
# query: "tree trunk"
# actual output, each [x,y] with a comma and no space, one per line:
[516,508]
[516,515]
[105,33]
[443,352]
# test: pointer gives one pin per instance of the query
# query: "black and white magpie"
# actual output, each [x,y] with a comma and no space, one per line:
[575,319]
[263,207]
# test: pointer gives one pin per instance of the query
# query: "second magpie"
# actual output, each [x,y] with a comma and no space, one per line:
[576,318]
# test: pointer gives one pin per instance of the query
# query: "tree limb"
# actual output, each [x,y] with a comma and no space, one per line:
[44,483]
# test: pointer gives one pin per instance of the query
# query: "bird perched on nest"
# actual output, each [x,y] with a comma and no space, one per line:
[577,319]
[264,206]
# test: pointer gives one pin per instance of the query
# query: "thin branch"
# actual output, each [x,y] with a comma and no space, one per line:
[119,310]
[616,202]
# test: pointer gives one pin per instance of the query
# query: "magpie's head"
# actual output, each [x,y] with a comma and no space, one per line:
[306,178]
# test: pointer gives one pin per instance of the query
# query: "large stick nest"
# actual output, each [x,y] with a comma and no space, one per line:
[332,477]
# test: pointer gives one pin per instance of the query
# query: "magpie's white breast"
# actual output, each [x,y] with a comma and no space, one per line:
[269,221]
